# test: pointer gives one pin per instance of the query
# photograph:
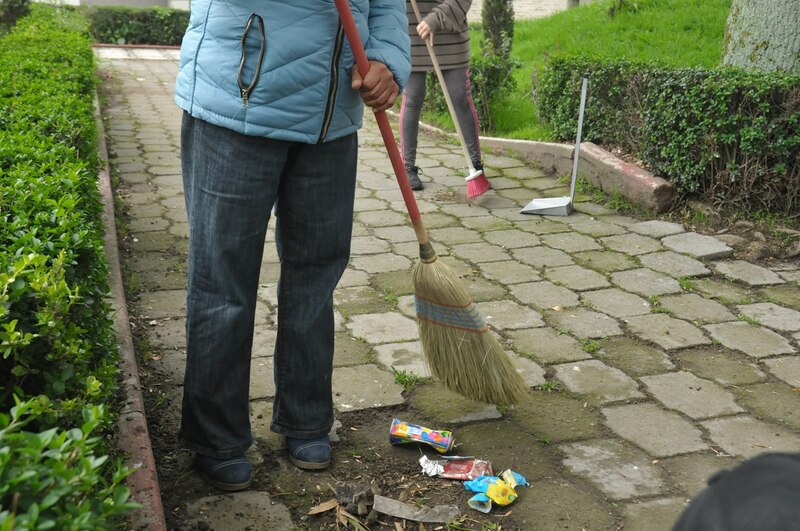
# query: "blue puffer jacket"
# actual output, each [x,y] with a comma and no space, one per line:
[302,80]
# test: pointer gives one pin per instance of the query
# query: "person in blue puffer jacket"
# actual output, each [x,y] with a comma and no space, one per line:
[271,105]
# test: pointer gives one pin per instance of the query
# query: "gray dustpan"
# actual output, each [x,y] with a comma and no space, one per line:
[562,206]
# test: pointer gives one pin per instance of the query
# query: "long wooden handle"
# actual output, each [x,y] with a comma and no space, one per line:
[350,29]
[435,62]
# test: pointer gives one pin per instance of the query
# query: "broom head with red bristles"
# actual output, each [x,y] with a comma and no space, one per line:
[477,184]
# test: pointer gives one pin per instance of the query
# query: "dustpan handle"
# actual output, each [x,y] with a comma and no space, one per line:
[577,154]
[346,16]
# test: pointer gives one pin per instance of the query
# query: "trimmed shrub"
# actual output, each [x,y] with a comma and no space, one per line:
[491,77]
[491,72]
[45,477]
[58,351]
[129,25]
[728,134]
[55,329]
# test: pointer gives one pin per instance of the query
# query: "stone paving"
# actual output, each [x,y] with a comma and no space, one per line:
[653,356]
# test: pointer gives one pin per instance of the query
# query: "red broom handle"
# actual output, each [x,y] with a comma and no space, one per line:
[346,16]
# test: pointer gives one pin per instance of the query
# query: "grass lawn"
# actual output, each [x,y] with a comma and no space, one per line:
[674,32]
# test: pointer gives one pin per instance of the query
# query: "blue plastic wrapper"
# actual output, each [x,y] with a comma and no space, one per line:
[479,484]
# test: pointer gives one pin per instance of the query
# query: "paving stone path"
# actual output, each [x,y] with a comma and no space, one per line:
[654,357]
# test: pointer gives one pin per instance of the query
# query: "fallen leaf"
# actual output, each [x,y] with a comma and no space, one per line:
[557,308]
[324,506]
[347,518]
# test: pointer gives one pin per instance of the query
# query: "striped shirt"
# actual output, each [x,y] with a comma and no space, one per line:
[448,21]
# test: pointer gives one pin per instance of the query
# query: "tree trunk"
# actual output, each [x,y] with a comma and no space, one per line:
[573,3]
[763,35]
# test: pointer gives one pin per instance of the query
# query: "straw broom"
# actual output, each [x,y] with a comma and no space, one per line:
[459,348]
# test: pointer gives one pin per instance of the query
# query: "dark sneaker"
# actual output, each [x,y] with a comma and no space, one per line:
[413,177]
[310,454]
[226,474]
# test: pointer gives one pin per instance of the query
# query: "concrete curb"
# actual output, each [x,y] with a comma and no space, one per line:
[134,438]
[598,166]
[137,46]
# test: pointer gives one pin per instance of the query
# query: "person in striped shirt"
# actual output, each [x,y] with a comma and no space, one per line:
[446,20]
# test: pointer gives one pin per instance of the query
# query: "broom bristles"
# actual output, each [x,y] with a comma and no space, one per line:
[460,349]
[477,185]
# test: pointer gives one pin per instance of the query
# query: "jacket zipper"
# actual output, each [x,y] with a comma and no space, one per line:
[337,54]
[247,90]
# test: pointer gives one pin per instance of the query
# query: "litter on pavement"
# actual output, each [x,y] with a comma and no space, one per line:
[401,432]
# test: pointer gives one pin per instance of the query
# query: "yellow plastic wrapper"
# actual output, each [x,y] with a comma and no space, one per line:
[501,492]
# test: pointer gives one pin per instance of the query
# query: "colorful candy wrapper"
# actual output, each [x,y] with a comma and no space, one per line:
[494,489]
[401,432]
[456,467]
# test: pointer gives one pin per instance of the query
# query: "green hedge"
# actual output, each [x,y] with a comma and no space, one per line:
[731,135]
[127,25]
[59,352]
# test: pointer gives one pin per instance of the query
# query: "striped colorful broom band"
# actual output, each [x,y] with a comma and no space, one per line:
[460,317]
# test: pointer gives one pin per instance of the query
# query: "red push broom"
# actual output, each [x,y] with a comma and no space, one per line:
[459,348]
[477,183]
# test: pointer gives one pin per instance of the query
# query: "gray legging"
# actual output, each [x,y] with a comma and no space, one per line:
[457,81]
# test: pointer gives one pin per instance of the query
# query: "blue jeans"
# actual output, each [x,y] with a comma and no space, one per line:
[231,182]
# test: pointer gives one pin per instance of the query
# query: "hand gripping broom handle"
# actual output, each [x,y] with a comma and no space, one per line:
[437,68]
[426,250]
